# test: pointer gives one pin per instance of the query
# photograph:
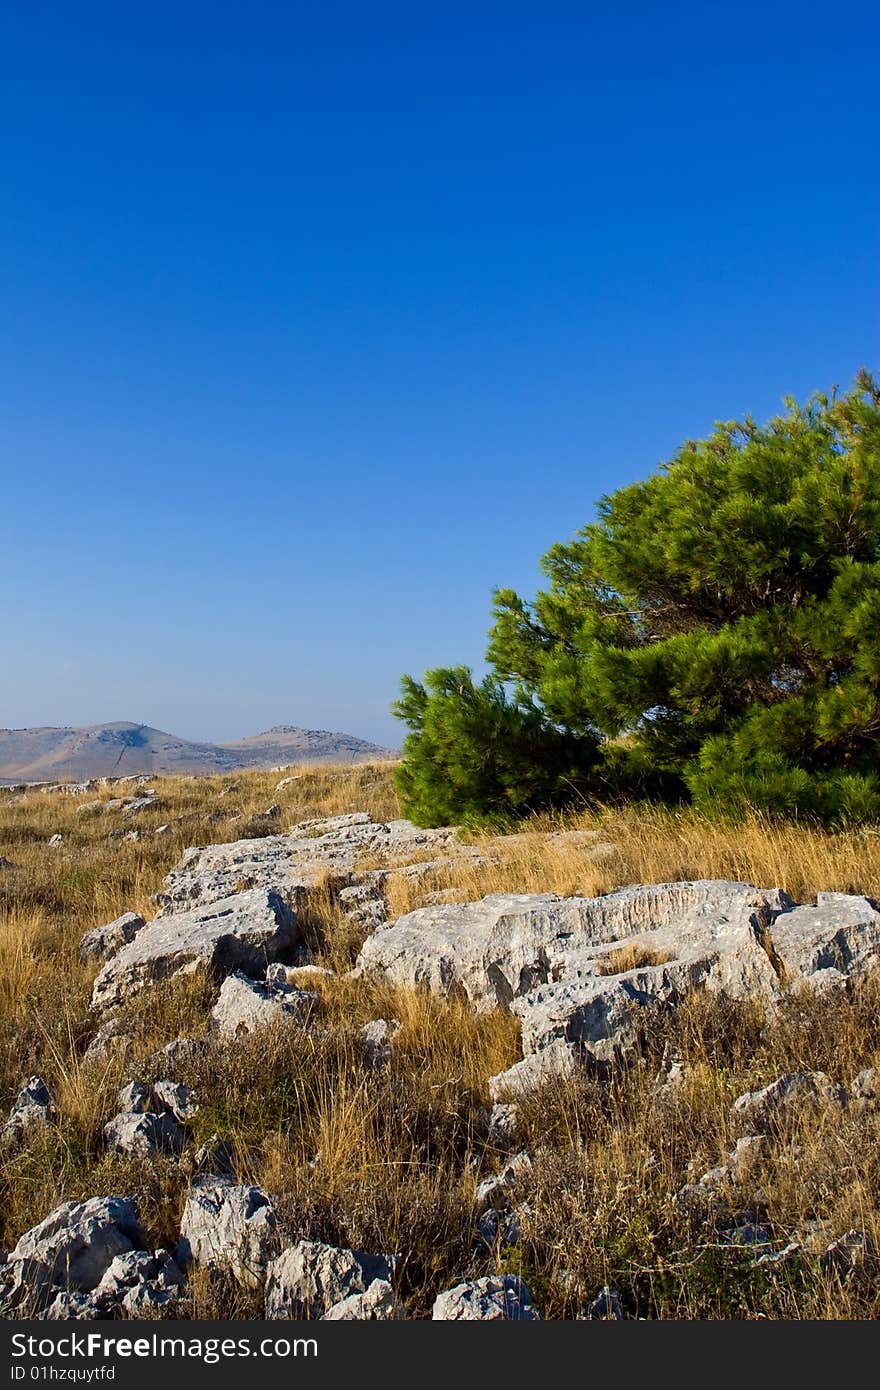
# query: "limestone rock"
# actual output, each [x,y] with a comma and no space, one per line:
[179,1053]
[556,1063]
[497,1190]
[137,1285]
[74,1246]
[605,1307]
[840,933]
[497,1226]
[110,1038]
[853,1258]
[376,1039]
[506,946]
[297,861]
[242,932]
[33,1107]
[748,1152]
[502,1123]
[794,1091]
[866,1087]
[175,1099]
[491,1299]
[214,1160]
[376,1304]
[143,1133]
[133,1099]
[227,1227]
[244,1005]
[309,1278]
[579,973]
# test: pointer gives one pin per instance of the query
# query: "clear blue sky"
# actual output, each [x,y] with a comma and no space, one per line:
[321,320]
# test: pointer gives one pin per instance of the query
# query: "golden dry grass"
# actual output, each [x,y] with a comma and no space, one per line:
[388,1158]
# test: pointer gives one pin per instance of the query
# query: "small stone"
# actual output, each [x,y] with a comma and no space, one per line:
[749,1233]
[174,1098]
[749,1151]
[178,1053]
[32,1109]
[784,1256]
[376,1039]
[715,1177]
[497,1190]
[605,1307]
[865,1085]
[133,1099]
[109,1039]
[376,1304]
[143,1134]
[852,1257]
[491,1299]
[244,1005]
[215,1157]
[503,1123]
[502,1227]
[795,1090]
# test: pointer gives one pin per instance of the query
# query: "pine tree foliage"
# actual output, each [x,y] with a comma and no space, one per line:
[476,755]
[718,625]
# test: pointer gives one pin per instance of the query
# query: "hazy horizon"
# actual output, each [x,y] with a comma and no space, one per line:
[320,323]
[192,738]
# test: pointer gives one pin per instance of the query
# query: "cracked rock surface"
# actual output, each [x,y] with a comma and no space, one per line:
[579,972]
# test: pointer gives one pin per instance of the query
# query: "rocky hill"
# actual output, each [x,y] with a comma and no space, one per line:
[120,749]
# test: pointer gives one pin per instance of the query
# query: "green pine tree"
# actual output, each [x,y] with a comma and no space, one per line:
[718,625]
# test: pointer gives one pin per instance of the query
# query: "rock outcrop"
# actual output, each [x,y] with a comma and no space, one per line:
[101,943]
[579,972]
[245,931]
[293,863]
[71,1249]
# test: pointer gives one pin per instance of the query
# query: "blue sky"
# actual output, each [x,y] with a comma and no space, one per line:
[321,320]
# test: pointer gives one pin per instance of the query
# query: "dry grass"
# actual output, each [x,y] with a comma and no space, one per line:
[632,957]
[387,1159]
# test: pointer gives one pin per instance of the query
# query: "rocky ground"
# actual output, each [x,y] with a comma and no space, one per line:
[266,1090]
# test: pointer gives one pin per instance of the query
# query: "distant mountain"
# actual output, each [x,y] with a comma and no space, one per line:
[118,750]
